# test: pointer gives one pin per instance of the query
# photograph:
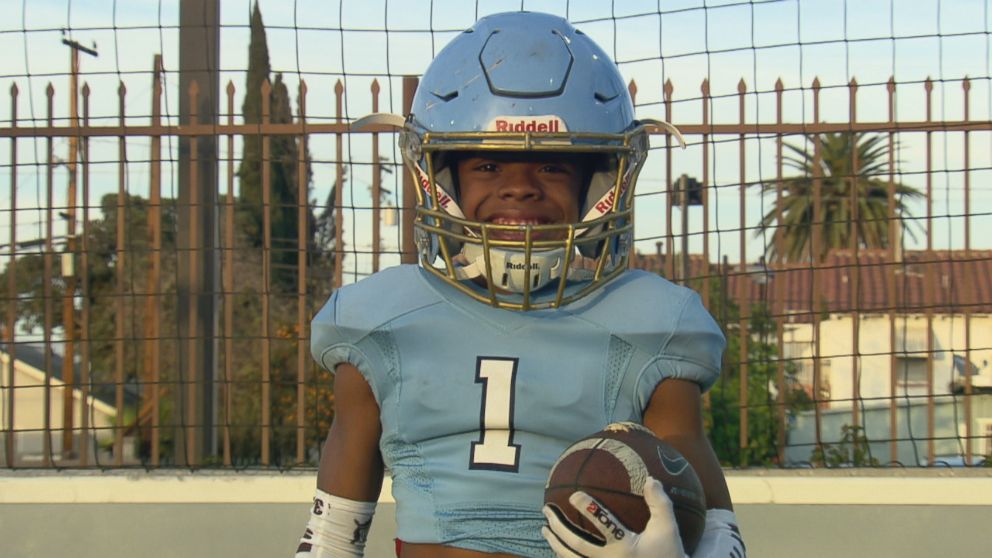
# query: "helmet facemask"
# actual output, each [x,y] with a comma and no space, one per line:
[538,266]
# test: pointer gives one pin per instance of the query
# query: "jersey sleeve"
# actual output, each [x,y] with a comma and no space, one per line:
[692,350]
[337,338]
[357,324]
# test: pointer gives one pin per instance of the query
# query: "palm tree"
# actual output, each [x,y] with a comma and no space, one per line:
[835,174]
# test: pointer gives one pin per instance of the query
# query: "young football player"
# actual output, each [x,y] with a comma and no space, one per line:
[521,330]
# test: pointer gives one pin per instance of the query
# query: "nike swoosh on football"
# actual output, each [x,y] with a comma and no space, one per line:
[674,466]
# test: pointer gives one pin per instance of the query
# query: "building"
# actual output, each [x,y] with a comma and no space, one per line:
[30,395]
[888,346]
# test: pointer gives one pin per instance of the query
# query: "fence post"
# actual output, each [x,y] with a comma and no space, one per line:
[10,333]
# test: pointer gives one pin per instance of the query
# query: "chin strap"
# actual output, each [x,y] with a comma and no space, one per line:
[509,267]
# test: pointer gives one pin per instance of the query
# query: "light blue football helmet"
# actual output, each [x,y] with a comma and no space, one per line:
[525,81]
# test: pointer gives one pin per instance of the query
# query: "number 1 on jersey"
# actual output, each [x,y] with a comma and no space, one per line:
[495,448]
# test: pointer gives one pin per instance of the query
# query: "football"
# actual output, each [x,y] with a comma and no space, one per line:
[612,465]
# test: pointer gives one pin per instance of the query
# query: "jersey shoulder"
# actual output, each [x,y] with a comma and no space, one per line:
[637,301]
[665,320]
[350,327]
[378,299]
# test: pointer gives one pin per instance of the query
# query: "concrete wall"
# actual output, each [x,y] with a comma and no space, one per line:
[902,513]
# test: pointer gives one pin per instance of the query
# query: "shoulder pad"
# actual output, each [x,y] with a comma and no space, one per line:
[635,302]
[380,298]
[344,329]
[665,320]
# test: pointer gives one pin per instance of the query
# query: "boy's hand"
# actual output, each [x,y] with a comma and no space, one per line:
[660,538]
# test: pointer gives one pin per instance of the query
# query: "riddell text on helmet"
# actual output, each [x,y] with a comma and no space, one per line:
[549,124]
[442,197]
[521,266]
[606,203]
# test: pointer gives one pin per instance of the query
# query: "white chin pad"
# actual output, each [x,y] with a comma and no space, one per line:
[509,267]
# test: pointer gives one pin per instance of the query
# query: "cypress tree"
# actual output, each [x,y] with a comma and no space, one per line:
[250,169]
[284,154]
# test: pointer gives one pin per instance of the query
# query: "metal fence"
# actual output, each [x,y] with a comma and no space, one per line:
[172,331]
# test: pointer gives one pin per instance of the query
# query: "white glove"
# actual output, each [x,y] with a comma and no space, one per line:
[660,538]
[722,538]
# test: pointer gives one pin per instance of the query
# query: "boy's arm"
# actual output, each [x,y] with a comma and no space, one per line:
[350,475]
[675,414]
[350,464]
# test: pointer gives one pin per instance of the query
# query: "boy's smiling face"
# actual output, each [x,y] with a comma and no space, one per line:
[507,188]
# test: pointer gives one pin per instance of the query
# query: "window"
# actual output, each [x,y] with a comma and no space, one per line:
[911,370]
[911,337]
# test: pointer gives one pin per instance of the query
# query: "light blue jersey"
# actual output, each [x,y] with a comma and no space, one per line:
[477,403]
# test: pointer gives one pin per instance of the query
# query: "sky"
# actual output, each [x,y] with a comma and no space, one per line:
[684,41]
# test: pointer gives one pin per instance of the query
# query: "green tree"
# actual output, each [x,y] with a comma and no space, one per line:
[103,294]
[250,169]
[111,305]
[128,306]
[723,417]
[283,163]
[836,171]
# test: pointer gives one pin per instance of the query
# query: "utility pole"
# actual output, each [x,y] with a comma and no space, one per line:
[69,256]
[199,63]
